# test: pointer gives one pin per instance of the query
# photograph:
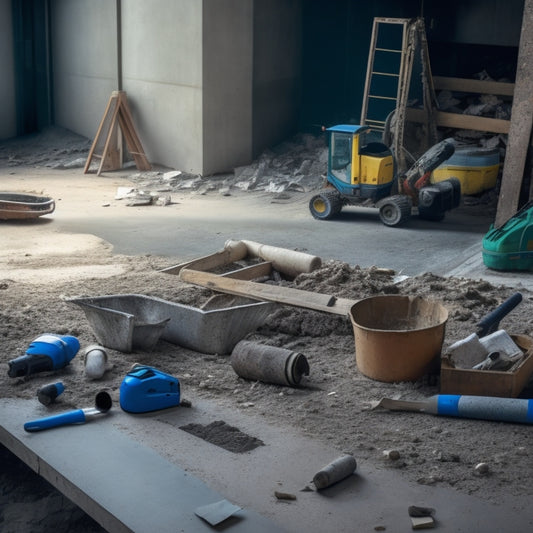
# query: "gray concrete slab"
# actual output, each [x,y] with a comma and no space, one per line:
[122,484]
[142,473]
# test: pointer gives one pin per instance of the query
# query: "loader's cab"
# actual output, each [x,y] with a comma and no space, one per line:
[357,164]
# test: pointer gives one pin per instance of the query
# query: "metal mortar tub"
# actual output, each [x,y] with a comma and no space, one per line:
[134,321]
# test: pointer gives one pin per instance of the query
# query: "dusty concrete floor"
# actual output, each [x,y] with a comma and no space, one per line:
[55,255]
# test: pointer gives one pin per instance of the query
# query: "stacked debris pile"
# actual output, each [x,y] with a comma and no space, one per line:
[482,105]
[296,165]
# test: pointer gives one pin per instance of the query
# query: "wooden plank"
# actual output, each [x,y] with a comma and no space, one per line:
[459,121]
[208,262]
[112,99]
[135,146]
[270,293]
[473,86]
[521,125]
[109,137]
[251,272]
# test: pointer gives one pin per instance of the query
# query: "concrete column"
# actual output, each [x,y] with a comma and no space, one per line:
[227,70]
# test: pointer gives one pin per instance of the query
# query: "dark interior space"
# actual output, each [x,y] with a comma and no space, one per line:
[464,39]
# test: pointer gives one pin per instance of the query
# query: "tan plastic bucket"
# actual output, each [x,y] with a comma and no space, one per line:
[397,338]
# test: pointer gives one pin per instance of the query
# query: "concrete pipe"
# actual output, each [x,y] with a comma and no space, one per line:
[289,262]
[269,364]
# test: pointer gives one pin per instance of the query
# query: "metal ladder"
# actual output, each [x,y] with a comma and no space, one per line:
[388,78]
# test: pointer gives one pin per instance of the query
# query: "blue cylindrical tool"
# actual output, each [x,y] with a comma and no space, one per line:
[102,402]
[47,352]
[48,393]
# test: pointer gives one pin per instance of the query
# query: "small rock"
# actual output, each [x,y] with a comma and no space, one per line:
[393,455]
[167,176]
[139,200]
[423,522]
[482,469]
[124,192]
[284,495]
[163,200]
[415,510]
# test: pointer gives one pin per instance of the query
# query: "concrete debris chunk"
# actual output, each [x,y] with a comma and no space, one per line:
[393,455]
[482,469]
[171,175]
[421,517]
[124,192]
[416,510]
[139,199]
[423,522]
[163,200]
[284,495]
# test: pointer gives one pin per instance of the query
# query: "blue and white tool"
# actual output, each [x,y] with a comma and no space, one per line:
[47,352]
[480,407]
[102,404]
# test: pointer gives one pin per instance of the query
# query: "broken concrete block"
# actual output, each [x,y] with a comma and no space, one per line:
[393,455]
[421,517]
[422,522]
[140,199]
[124,192]
[163,200]
[167,176]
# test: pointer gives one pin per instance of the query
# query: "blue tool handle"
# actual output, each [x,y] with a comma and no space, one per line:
[490,322]
[72,417]
[486,408]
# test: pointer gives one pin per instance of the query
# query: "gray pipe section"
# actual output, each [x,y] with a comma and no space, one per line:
[269,364]
[335,471]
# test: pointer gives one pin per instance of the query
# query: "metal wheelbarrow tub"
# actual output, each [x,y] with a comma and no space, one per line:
[121,321]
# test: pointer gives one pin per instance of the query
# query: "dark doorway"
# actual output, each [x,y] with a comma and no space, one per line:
[32,65]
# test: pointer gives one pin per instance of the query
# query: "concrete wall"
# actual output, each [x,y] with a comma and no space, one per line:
[84,62]
[210,83]
[488,22]
[162,75]
[227,84]
[8,125]
[277,63]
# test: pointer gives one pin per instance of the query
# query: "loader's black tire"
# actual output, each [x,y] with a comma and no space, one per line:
[431,215]
[326,204]
[395,210]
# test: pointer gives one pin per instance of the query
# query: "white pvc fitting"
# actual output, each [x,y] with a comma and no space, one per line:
[95,362]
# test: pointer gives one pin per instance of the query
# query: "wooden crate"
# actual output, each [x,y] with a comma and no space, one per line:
[489,382]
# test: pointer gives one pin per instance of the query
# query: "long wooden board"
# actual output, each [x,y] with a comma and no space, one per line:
[473,86]
[519,140]
[270,293]
[218,259]
[467,122]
